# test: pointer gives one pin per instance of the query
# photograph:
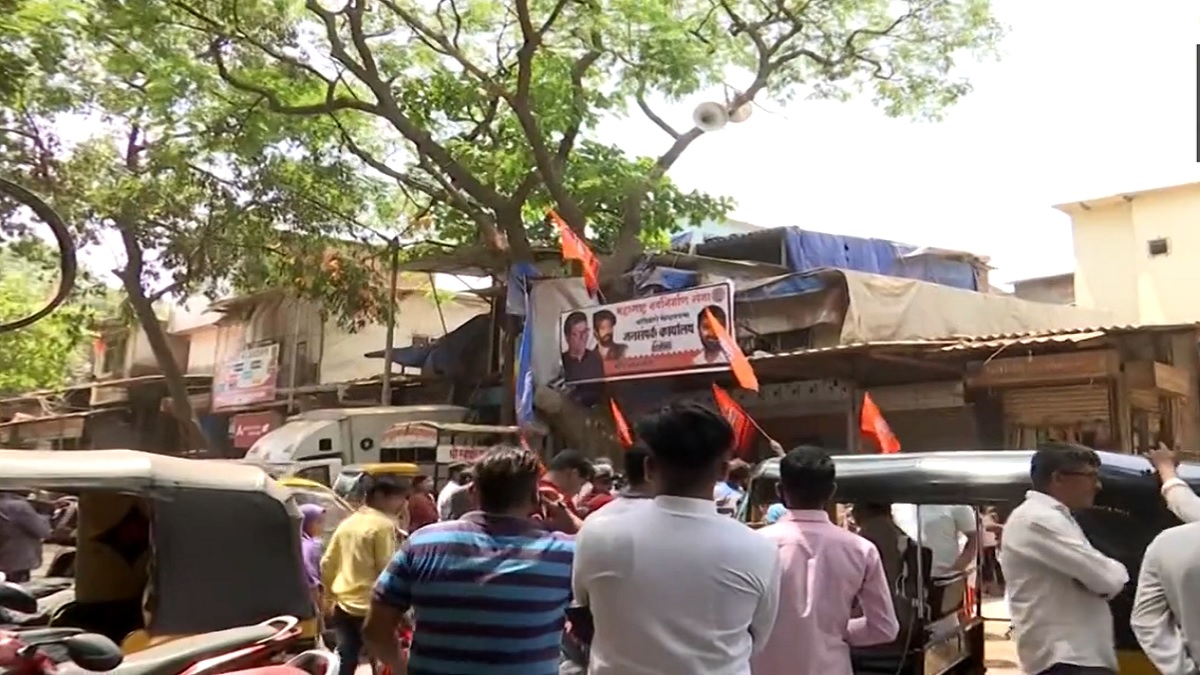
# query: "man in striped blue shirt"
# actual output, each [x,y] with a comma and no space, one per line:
[488,591]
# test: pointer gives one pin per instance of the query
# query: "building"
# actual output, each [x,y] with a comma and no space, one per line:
[1138,253]
[1057,289]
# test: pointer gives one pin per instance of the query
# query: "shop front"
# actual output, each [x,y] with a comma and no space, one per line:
[1090,397]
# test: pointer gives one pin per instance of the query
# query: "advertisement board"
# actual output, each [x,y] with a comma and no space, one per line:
[664,334]
[248,378]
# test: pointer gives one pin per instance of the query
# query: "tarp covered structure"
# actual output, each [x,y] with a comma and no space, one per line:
[803,250]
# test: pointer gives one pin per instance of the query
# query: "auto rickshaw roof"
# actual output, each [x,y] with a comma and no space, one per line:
[401,468]
[973,476]
[129,471]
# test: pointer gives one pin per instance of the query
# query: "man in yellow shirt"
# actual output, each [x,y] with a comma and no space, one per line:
[358,552]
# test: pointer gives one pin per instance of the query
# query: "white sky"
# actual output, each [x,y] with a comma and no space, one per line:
[1090,97]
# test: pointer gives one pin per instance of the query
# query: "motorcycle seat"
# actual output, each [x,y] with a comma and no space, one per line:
[175,656]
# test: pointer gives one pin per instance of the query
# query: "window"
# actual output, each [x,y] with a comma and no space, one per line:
[325,445]
[317,474]
[115,345]
[1157,247]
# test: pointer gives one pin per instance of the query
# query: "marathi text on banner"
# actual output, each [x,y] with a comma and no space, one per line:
[664,334]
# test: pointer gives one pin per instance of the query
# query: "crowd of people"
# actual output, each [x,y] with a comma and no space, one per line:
[531,569]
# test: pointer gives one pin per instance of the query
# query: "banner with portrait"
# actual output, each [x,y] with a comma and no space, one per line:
[664,334]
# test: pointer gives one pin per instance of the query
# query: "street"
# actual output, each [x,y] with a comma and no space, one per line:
[1001,653]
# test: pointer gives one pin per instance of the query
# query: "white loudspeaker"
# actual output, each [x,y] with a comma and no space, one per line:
[710,116]
[741,114]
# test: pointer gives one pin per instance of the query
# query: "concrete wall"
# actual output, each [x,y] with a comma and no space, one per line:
[1057,290]
[1114,269]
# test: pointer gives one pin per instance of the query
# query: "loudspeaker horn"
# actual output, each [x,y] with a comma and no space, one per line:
[742,113]
[710,116]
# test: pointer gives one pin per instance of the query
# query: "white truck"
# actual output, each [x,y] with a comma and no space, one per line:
[316,444]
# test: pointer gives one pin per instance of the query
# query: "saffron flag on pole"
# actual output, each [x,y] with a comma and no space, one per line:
[624,435]
[743,426]
[874,426]
[575,248]
[743,372]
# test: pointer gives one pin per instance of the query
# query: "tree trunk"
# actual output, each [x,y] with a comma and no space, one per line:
[181,405]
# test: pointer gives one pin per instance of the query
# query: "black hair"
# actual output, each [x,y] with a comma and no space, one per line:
[687,441]
[1052,458]
[807,477]
[872,509]
[568,460]
[635,463]
[603,315]
[506,478]
[456,470]
[573,319]
[717,312]
[382,487]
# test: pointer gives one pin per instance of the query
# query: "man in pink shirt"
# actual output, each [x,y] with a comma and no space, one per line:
[834,594]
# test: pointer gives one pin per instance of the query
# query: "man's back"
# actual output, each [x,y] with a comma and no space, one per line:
[358,551]
[22,530]
[489,595]
[825,570]
[1166,614]
[675,588]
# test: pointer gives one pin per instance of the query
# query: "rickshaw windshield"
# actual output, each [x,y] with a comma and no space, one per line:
[344,485]
[335,509]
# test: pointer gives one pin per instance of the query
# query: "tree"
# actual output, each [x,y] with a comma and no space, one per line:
[488,109]
[53,351]
[197,189]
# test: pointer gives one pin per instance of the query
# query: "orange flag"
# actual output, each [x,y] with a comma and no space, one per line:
[743,427]
[574,248]
[624,435]
[873,426]
[738,363]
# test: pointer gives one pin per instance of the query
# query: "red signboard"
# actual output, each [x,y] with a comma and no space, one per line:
[249,427]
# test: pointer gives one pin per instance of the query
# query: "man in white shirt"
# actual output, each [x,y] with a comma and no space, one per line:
[1166,615]
[459,480]
[676,588]
[948,531]
[1059,585]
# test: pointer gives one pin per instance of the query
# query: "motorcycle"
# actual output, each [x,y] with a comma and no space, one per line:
[32,652]
[25,653]
[311,662]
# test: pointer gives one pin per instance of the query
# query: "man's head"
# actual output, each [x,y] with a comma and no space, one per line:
[635,466]
[576,333]
[603,324]
[569,470]
[456,472]
[867,511]
[603,478]
[708,338]
[423,484]
[506,481]
[689,445]
[806,478]
[387,494]
[738,473]
[1067,472]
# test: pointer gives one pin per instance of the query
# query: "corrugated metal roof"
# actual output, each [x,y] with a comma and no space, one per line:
[984,342]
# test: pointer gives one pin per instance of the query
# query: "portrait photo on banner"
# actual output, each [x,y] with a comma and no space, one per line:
[665,334]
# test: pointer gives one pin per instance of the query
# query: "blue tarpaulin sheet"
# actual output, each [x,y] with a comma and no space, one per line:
[443,357]
[807,250]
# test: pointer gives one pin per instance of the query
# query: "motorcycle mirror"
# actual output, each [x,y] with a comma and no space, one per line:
[93,652]
[17,599]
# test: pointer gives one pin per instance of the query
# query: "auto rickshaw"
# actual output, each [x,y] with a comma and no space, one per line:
[1128,514]
[168,547]
[436,446]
